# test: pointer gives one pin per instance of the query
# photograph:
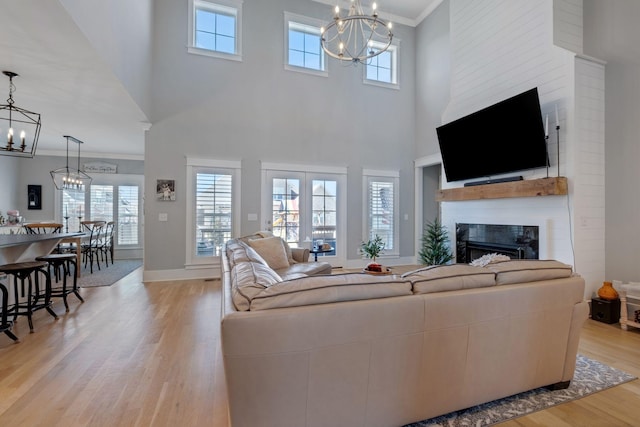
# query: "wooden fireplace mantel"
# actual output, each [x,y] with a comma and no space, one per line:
[554,186]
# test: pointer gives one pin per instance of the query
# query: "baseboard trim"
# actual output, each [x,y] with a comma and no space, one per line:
[180,274]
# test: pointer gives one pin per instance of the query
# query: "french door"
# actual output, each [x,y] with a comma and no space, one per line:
[307,209]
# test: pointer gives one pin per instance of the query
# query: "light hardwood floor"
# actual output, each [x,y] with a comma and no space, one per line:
[149,354]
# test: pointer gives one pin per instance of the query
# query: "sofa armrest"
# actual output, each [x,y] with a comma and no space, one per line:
[300,254]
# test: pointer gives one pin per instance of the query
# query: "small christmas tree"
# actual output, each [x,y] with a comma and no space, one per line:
[435,244]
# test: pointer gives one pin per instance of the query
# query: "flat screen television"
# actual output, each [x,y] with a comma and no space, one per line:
[506,137]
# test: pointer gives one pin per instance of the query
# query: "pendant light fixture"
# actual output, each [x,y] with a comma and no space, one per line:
[22,127]
[67,178]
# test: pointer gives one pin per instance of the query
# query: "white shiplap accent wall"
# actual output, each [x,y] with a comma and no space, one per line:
[501,48]
[588,181]
[567,24]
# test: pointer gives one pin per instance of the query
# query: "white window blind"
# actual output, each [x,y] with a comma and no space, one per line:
[127,231]
[381,207]
[101,202]
[214,214]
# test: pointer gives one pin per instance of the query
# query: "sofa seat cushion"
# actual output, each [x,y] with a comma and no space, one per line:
[272,250]
[305,268]
[528,270]
[327,289]
[452,277]
[249,279]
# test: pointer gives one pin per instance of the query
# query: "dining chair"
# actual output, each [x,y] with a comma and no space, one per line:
[106,246]
[91,246]
[43,228]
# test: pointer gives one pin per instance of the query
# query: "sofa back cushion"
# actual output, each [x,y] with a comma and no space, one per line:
[272,250]
[452,277]
[528,270]
[238,251]
[326,289]
[249,279]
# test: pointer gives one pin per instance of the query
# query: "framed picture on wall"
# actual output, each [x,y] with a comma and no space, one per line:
[34,197]
[166,190]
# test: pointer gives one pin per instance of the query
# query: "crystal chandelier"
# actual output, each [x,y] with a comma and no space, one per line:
[356,37]
[67,178]
[19,123]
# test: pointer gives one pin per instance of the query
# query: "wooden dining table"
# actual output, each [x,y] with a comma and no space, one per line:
[26,247]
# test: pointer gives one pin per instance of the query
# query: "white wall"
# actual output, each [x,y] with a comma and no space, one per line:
[121,32]
[8,178]
[502,48]
[255,111]
[433,78]
[612,33]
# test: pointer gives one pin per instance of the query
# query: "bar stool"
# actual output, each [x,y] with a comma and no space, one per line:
[55,261]
[5,323]
[36,298]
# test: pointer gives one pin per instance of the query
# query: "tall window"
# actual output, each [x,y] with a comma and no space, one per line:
[303,49]
[214,218]
[286,209]
[127,231]
[325,211]
[214,28]
[213,211]
[382,209]
[383,68]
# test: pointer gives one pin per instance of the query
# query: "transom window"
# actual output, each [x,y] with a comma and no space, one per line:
[303,51]
[383,68]
[214,28]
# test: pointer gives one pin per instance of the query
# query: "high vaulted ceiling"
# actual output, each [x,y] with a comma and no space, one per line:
[62,77]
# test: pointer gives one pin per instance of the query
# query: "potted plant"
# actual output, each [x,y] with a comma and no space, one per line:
[435,244]
[372,249]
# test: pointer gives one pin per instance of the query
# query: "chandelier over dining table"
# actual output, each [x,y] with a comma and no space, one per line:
[67,178]
[354,36]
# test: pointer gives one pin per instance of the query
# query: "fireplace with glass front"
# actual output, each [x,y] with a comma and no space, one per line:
[515,241]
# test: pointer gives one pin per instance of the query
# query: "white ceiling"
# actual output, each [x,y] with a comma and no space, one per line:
[65,80]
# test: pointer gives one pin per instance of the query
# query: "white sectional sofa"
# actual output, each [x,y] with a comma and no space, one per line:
[363,350]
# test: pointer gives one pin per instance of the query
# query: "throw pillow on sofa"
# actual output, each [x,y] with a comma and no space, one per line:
[272,250]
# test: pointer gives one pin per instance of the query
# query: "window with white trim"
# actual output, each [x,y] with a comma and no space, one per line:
[306,205]
[382,69]
[303,51]
[214,217]
[212,208]
[381,194]
[215,28]
[110,197]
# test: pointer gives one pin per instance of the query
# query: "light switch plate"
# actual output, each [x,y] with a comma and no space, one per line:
[163,217]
